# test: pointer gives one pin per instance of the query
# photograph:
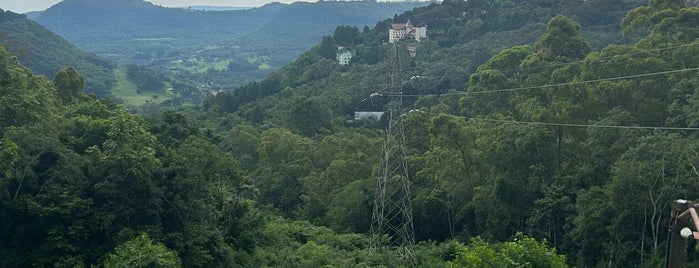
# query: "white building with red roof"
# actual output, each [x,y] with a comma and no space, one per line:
[401,31]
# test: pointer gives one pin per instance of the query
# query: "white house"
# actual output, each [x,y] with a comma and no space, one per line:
[344,56]
[401,31]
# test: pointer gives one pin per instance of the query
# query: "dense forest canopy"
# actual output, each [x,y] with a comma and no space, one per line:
[560,150]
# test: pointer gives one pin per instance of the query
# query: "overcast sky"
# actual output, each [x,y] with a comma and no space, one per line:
[23,6]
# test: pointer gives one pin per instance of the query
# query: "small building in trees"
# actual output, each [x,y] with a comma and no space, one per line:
[344,55]
[400,31]
[413,51]
[368,115]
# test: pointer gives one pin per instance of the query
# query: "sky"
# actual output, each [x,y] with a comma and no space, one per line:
[23,6]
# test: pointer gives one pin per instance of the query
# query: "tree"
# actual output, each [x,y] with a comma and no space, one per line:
[69,84]
[307,116]
[44,208]
[350,209]
[522,252]
[206,212]
[122,173]
[173,127]
[284,161]
[24,97]
[141,251]
[242,141]
[563,39]
[346,35]
[648,177]
[328,48]
[642,16]
[144,78]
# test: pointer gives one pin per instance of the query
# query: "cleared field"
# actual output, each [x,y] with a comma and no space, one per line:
[125,91]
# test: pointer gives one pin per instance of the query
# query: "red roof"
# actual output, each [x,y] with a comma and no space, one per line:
[400,26]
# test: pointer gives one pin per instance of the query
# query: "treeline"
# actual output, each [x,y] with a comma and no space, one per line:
[144,78]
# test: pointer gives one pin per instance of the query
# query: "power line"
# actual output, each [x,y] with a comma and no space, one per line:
[600,58]
[380,93]
[569,125]
[553,85]
[583,60]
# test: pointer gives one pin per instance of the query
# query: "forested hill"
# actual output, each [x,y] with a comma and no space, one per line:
[462,35]
[90,24]
[571,121]
[527,145]
[194,42]
[45,53]
[306,23]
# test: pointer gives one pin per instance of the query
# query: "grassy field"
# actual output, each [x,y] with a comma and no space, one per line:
[125,91]
[204,66]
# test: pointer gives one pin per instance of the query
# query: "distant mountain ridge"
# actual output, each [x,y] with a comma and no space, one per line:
[91,23]
[215,8]
[195,41]
[45,53]
[329,16]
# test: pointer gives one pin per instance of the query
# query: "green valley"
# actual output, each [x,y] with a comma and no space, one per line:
[190,42]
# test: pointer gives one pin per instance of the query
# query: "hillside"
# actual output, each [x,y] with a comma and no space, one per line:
[462,36]
[577,129]
[530,141]
[191,42]
[45,53]
[121,29]
[315,20]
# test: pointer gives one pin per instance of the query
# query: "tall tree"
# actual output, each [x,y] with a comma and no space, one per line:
[206,212]
[122,174]
[24,97]
[142,251]
[69,84]
[284,161]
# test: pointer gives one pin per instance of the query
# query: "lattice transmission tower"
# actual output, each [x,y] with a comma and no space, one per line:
[392,218]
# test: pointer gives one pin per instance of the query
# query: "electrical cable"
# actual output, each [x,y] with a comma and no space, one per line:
[567,124]
[552,85]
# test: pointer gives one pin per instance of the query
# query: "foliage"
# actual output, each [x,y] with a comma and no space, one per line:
[144,78]
[142,252]
[573,148]
[523,252]
[69,84]
[47,53]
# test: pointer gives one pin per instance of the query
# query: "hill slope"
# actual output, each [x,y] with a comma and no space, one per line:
[308,22]
[45,53]
[194,42]
[521,120]
[462,36]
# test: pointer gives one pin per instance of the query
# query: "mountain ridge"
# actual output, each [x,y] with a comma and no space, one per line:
[46,52]
[137,32]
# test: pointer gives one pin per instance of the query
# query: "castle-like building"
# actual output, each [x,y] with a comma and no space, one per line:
[406,30]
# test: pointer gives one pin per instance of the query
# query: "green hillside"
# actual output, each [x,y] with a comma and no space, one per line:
[46,53]
[522,121]
[200,45]
[529,142]
[462,36]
